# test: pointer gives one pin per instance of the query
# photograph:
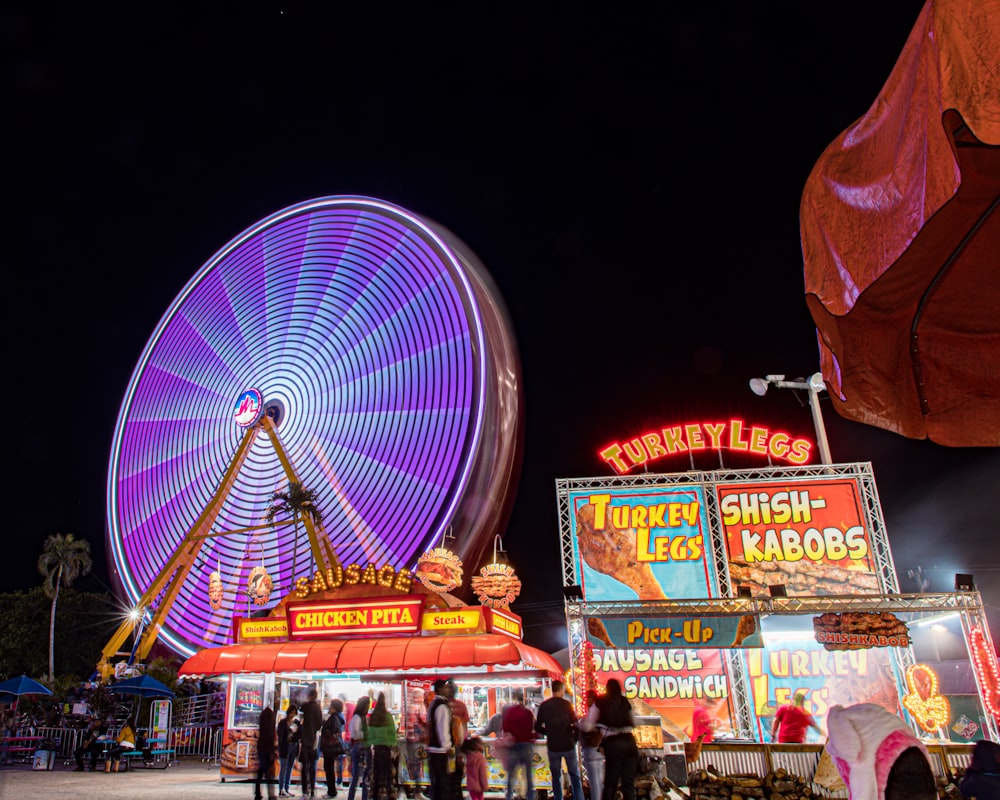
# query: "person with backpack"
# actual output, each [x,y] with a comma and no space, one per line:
[331,743]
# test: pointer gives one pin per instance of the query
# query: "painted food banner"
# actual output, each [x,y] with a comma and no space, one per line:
[670,683]
[809,536]
[641,543]
[798,663]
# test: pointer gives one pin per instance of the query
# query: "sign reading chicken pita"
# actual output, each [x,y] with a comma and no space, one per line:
[641,543]
[809,536]
[708,630]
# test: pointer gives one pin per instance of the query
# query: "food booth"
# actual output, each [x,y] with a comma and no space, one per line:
[726,592]
[363,630]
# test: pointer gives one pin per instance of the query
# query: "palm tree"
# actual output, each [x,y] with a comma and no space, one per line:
[294,503]
[63,560]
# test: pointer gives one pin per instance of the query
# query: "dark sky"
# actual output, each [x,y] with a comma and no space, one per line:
[631,179]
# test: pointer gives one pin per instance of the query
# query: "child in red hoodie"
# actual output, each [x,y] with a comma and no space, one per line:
[477,779]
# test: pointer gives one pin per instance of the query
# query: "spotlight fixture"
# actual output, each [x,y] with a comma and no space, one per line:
[574,592]
[743,591]
[814,385]
[777,590]
[964,583]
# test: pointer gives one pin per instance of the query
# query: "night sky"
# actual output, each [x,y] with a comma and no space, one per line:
[629,177]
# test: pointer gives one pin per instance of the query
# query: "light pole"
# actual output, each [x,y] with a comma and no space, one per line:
[814,386]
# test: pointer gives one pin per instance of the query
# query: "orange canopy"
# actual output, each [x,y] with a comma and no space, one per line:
[900,239]
[402,653]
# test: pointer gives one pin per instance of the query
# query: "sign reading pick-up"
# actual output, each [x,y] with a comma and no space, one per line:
[710,630]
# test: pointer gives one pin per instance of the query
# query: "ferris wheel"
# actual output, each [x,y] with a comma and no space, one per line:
[381,353]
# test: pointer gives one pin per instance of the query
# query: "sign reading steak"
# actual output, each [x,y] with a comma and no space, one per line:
[612,551]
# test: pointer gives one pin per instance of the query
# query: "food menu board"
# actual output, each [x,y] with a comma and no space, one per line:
[809,536]
[641,543]
[248,701]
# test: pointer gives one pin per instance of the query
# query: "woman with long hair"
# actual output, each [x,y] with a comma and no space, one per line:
[360,749]
[382,735]
[612,712]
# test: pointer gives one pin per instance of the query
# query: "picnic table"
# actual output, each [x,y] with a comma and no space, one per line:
[20,748]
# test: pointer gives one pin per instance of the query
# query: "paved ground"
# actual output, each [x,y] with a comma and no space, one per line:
[190,778]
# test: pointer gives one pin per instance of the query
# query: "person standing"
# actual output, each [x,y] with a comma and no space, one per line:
[593,758]
[331,743]
[459,732]
[556,721]
[439,743]
[792,721]
[613,713]
[703,723]
[312,721]
[360,752]
[267,748]
[520,724]
[477,777]
[382,735]
[288,749]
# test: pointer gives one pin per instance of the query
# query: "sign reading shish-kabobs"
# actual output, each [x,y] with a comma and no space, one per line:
[809,536]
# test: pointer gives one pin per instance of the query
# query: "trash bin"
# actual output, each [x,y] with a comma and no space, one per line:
[44,759]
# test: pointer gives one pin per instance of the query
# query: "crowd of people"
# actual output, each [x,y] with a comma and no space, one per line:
[364,735]
[873,750]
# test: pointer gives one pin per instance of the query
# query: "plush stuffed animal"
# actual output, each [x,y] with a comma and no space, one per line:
[877,755]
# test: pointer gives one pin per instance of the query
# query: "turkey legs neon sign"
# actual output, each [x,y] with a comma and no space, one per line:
[697,436]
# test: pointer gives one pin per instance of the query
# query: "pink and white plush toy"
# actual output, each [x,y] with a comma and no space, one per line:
[866,742]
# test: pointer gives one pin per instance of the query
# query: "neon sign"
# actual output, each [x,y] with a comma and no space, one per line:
[697,436]
[385,576]
[986,670]
[930,710]
[355,617]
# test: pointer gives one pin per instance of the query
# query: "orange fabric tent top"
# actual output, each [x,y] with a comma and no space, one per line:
[402,653]
[900,239]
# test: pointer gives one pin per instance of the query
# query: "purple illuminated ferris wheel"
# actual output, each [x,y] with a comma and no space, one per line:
[381,349]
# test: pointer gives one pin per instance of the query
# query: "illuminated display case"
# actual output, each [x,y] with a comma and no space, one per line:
[248,701]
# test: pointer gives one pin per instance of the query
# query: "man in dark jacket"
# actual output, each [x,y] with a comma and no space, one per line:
[557,723]
[439,743]
[312,721]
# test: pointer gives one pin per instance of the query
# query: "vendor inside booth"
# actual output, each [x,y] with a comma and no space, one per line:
[356,632]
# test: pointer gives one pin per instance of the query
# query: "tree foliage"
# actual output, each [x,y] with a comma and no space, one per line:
[84,620]
[64,558]
[294,502]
